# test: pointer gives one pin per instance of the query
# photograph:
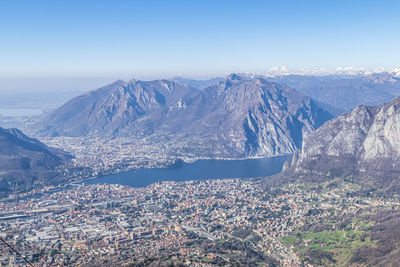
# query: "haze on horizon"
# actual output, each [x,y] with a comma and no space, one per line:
[76,45]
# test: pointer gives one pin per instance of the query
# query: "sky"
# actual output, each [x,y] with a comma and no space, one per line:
[50,40]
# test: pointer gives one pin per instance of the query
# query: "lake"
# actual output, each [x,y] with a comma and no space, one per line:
[198,170]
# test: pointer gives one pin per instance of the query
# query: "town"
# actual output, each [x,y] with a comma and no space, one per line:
[113,155]
[209,222]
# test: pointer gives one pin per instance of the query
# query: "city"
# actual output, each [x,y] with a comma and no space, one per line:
[208,222]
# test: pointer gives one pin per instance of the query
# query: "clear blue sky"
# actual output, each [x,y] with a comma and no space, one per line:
[163,38]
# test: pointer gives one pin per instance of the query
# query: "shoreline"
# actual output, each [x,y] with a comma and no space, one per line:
[78,182]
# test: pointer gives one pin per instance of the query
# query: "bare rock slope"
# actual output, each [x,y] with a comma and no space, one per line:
[364,143]
[234,118]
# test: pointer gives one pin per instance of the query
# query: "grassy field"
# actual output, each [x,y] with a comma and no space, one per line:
[330,244]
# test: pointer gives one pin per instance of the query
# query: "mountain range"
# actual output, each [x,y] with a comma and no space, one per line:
[342,88]
[345,92]
[339,71]
[25,162]
[235,118]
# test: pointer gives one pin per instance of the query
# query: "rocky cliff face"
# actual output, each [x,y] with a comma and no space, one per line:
[252,117]
[25,162]
[235,118]
[364,142]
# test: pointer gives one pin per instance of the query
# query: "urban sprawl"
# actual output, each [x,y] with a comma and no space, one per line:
[198,223]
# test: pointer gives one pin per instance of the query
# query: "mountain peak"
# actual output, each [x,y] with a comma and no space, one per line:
[116,108]
[233,77]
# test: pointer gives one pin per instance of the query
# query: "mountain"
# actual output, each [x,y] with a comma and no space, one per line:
[121,108]
[241,117]
[199,84]
[235,118]
[363,144]
[26,162]
[345,91]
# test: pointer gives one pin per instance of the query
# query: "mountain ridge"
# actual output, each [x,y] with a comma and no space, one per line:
[26,162]
[229,116]
[345,93]
[112,105]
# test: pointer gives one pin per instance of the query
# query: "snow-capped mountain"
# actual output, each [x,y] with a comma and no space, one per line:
[348,70]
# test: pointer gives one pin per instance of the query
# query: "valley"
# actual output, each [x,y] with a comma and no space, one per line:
[200,133]
[328,207]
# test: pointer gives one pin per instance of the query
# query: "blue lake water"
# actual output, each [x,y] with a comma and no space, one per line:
[199,170]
